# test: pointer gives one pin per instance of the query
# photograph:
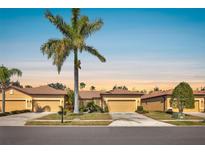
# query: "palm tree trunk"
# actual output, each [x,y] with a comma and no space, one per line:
[3,100]
[76,101]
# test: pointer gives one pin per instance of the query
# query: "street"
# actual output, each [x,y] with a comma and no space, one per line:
[101,135]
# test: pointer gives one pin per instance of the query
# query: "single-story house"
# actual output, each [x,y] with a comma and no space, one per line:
[87,96]
[43,98]
[117,100]
[161,101]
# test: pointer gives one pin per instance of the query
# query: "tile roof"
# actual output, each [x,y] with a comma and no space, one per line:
[89,94]
[42,90]
[121,92]
[167,92]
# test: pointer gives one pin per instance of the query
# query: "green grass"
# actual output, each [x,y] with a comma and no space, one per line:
[85,116]
[73,123]
[187,123]
[165,116]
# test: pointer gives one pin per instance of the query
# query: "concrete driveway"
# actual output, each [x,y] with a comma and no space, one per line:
[198,114]
[134,119]
[20,119]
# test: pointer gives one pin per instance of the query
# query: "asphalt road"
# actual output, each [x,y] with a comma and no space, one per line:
[102,135]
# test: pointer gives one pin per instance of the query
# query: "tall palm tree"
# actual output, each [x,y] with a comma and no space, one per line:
[73,41]
[5,75]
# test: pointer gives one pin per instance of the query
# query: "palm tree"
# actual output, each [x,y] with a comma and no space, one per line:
[73,41]
[5,75]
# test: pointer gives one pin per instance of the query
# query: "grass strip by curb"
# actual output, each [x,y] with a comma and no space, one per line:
[74,123]
[186,123]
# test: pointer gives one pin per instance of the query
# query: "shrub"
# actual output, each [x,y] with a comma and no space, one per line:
[177,115]
[19,111]
[92,107]
[60,112]
[4,114]
[69,107]
[169,111]
[106,108]
[141,110]
[15,112]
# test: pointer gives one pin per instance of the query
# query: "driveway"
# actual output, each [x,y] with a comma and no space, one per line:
[198,114]
[20,119]
[134,119]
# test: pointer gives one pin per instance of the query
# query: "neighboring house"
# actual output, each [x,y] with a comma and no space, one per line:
[43,98]
[161,101]
[117,100]
[87,96]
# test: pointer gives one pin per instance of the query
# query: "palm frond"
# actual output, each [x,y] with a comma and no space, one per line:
[75,17]
[4,75]
[94,52]
[58,50]
[58,21]
[15,71]
[92,27]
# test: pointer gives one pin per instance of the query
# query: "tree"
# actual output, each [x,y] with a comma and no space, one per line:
[28,86]
[182,97]
[203,89]
[73,41]
[16,84]
[5,76]
[92,88]
[120,87]
[82,85]
[70,100]
[156,89]
[57,86]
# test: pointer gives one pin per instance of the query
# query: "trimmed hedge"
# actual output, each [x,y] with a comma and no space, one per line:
[14,112]
[4,114]
[141,110]
[19,111]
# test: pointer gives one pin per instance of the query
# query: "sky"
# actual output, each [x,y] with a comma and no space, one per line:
[144,48]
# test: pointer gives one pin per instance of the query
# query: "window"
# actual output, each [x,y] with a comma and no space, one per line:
[11,92]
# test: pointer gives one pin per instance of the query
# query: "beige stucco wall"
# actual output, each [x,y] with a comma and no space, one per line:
[16,100]
[199,105]
[156,104]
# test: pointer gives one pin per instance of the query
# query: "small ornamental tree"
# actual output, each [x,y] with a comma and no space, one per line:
[182,97]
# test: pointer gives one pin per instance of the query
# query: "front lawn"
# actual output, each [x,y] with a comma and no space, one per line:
[73,123]
[83,116]
[165,116]
[187,123]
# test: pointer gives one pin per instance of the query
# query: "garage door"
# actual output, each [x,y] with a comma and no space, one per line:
[15,105]
[153,106]
[46,106]
[121,106]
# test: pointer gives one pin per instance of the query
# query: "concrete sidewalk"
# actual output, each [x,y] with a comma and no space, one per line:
[134,119]
[198,114]
[20,119]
